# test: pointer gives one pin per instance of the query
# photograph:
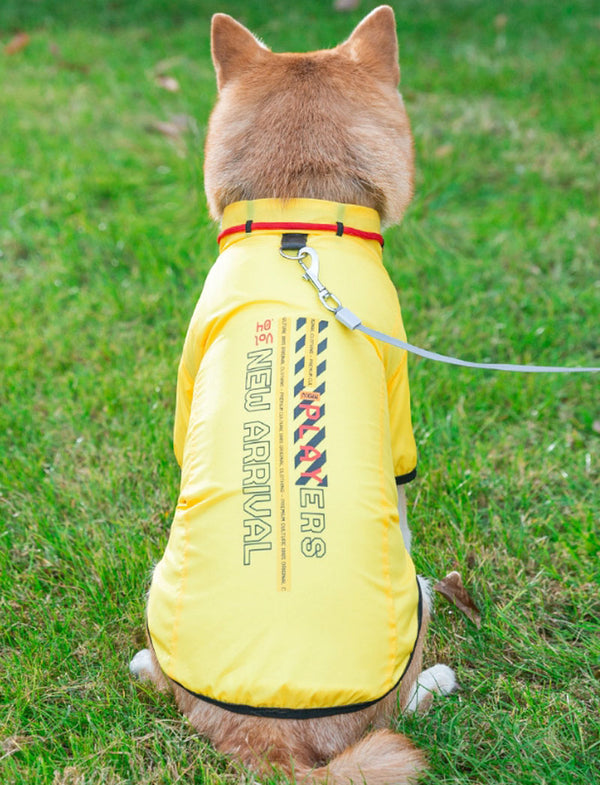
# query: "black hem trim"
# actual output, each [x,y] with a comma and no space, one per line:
[307,714]
[402,479]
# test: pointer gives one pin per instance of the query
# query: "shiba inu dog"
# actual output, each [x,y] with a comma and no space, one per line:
[286,615]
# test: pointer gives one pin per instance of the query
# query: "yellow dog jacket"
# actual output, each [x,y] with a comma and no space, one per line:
[285,588]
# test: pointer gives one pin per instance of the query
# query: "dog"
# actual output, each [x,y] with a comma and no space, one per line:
[286,615]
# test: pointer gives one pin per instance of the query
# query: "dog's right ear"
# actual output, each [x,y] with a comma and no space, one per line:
[233,48]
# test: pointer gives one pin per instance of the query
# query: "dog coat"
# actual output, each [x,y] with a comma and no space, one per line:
[285,588]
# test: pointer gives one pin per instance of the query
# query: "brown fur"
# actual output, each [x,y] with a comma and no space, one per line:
[328,125]
[323,125]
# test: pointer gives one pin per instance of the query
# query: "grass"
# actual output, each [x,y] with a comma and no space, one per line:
[105,242]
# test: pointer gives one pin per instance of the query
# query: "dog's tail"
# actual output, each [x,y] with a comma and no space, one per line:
[381,758]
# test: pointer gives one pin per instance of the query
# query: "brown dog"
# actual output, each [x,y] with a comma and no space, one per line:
[327,125]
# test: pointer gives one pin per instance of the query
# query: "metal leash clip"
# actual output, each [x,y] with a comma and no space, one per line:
[311,274]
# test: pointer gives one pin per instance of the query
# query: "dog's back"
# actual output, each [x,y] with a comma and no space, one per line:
[293,432]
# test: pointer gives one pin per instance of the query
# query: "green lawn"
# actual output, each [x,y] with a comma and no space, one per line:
[104,245]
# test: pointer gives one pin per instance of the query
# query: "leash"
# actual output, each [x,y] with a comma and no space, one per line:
[350,320]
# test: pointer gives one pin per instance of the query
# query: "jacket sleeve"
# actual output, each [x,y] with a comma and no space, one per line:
[404,449]
[186,377]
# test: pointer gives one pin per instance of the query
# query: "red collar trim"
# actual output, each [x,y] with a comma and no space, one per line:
[338,229]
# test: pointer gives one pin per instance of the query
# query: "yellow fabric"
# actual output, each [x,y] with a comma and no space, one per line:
[285,582]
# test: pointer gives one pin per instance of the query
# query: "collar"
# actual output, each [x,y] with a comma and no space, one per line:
[313,216]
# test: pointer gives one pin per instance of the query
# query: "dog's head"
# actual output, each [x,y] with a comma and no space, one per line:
[323,125]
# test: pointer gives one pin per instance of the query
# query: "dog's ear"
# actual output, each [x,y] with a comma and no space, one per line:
[233,48]
[374,45]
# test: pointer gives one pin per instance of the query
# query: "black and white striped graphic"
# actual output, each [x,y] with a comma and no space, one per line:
[310,366]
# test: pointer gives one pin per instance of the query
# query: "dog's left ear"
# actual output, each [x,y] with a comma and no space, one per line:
[374,45]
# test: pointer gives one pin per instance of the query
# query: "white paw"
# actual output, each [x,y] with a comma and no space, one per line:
[439,679]
[141,665]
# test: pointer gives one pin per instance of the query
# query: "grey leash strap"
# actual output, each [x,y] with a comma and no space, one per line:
[351,320]
[442,358]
